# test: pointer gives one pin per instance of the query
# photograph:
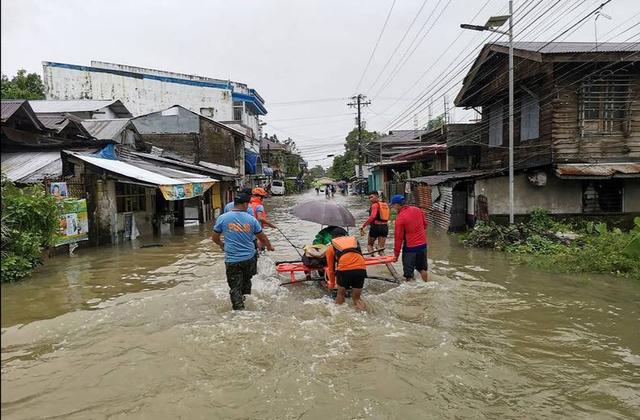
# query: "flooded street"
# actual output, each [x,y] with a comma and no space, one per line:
[130,332]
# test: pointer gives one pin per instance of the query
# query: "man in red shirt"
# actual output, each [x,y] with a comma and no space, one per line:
[411,237]
[378,218]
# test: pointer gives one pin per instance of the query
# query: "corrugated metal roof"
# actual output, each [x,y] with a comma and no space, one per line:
[106,129]
[598,170]
[53,122]
[78,105]
[140,171]
[573,47]
[450,176]
[9,107]
[31,167]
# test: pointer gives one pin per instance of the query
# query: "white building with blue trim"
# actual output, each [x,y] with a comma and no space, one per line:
[144,91]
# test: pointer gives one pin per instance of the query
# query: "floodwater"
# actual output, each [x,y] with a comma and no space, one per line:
[130,332]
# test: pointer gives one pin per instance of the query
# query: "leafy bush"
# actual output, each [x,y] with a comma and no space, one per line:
[30,220]
[596,249]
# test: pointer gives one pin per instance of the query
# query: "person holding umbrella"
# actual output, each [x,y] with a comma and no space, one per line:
[411,237]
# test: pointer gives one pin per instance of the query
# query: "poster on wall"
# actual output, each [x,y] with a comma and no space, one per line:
[59,190]
[184,191]
[74,223]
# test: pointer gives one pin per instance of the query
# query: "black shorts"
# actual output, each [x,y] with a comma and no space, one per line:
[351,278]
[416,260]
[378,231]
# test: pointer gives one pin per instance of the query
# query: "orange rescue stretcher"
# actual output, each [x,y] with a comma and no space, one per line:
[299,267]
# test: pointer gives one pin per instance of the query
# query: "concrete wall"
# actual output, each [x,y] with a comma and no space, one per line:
[557,196]
[139,95]
[631,195]
[173,120]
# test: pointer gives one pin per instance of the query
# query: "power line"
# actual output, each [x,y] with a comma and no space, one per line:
[424,3]
[405,58]
[384,26]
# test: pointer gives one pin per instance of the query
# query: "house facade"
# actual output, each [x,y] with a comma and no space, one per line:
[576,134]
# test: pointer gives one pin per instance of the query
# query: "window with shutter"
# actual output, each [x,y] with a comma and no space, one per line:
[495,125]
[529,118]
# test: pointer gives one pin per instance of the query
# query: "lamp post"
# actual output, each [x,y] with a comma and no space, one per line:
[491,25]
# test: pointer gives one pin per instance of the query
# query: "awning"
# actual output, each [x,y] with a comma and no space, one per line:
[31,167]
[174,184]
[251,162]
[598,170]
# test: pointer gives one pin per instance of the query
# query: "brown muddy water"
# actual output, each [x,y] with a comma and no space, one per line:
[125,332]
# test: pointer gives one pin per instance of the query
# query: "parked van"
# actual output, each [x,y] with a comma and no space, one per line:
[277,187]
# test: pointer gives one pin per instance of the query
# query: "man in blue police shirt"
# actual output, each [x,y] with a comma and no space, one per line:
[239,229]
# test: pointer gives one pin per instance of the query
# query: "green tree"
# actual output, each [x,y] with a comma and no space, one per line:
[30,222]
[317,172]
[436,122]
[22,86]
[344,165]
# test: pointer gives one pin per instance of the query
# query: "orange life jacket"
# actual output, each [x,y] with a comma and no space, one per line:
[384,213]
[346,245]
[254,203]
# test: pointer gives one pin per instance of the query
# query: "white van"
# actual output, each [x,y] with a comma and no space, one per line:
[277,187]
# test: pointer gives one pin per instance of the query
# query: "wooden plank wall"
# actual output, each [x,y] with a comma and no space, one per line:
[569,146]
[536,152]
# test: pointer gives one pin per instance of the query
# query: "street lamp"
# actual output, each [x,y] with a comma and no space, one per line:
[491,25]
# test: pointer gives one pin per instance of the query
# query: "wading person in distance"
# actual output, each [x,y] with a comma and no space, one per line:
[239,230]
[346,266]
[378,218]
[411,237]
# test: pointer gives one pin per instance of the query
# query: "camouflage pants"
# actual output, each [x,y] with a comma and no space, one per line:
[239,280]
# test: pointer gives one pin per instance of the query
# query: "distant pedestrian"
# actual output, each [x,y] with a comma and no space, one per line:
[411,237]
[327,191]
[239,230]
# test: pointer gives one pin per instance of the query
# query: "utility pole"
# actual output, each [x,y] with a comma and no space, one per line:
[359,102]
[511,217]
[491,25]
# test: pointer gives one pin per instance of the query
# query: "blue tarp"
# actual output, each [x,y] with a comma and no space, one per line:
[107,152]
[267,171]
[250,162]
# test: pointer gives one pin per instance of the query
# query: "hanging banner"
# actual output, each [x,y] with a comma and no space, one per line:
[74,223]
[184,191]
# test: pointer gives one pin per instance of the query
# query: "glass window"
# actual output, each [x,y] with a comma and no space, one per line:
[238,109]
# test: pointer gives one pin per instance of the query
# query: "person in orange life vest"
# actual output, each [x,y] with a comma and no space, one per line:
[257,204]
[346,267]
[379,214]
[411,237]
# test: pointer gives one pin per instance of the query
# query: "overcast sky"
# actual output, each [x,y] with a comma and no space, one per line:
[304,57]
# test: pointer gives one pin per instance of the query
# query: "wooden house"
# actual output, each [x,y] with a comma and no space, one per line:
[576,130]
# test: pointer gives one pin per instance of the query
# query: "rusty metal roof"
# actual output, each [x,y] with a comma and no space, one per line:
[451,176]
[599,170]
[9,107]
